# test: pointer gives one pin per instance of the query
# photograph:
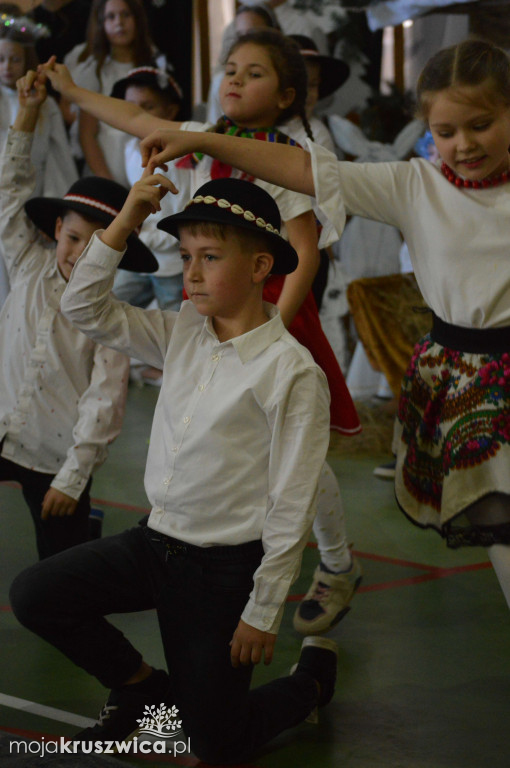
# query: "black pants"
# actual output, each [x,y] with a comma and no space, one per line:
[199,594]
[56,533]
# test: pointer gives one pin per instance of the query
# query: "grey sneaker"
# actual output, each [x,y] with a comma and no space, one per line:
[327,600]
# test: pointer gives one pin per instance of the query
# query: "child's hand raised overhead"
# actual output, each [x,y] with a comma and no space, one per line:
[143,199]
[31,89]
[58,75]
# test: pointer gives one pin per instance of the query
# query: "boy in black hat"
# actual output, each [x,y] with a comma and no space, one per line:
[239,436]
[61,395]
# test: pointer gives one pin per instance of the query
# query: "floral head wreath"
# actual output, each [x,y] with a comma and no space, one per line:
[23,25]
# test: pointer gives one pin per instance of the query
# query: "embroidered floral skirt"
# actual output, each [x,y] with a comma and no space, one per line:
[452,440]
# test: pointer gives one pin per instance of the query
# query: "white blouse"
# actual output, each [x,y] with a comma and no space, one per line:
[458,239]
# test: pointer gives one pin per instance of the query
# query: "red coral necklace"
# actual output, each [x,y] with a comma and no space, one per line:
[495,181]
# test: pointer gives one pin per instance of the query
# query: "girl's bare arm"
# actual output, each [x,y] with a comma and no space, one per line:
[116,112]
[280,164]
[302,232]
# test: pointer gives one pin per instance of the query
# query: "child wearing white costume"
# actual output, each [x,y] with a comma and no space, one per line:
[265,83]
[453,440]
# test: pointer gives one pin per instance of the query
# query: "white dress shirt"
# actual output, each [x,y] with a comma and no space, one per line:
[457,238]
[240,430]
[62,396]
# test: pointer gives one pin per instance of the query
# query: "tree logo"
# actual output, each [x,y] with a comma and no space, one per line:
[160,721]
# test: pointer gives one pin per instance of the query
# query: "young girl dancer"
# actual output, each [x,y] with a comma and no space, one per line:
[264,85]
[118,39]
[453,439]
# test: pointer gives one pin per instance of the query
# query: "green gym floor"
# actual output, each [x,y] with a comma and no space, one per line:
[424,663]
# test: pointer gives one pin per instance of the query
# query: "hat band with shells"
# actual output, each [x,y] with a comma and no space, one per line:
[237,210]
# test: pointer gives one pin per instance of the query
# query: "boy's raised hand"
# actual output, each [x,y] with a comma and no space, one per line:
[249,645]
[31,89]
[143,199]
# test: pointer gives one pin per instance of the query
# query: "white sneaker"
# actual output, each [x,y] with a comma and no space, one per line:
[327,600]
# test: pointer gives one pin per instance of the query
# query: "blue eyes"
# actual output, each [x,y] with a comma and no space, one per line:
[207,257]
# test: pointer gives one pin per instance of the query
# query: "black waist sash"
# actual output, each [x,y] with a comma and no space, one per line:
[475,340]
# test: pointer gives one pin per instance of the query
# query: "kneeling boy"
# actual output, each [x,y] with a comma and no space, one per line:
[239,437]
[62,396]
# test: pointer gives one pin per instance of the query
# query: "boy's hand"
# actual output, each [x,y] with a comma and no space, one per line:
[31,90]
[57,504]
[249,644]
[160,146]
[143,199]
[58,75]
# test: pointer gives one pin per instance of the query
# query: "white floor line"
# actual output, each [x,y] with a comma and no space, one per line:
[50,712]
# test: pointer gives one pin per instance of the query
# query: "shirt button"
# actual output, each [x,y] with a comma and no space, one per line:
[215,358]
[174,449]
[201,387]
[166,481]
[186,419]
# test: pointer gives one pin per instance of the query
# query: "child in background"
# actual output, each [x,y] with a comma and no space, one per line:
[52,159]
[453,440]
[51,154]
[326,74]
[248,18]
[62,395]
[264,84]
[155,91]
[118,39]
[240,433]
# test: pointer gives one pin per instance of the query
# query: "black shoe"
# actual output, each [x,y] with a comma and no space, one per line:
[318,659]
[119,717]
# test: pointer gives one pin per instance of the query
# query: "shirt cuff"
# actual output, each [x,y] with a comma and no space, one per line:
[19,143]
[70,483]
[328,197]
[266,618]
[100,254]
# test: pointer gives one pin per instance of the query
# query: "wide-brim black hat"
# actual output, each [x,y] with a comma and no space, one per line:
[241,204]
[151,77]
[98,199]
[334,72]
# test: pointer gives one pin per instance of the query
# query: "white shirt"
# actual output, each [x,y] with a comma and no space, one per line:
[51,151]
[457,238]
[240,430]
[111,140]
[62,396]
[296,130]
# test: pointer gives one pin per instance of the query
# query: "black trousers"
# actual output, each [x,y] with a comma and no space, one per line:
[56,533]
[199,594]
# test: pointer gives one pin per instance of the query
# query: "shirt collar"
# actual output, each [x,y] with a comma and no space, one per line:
[251,344]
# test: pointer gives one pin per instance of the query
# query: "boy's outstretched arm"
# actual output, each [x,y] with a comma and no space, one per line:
[280,164]
[119,113]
